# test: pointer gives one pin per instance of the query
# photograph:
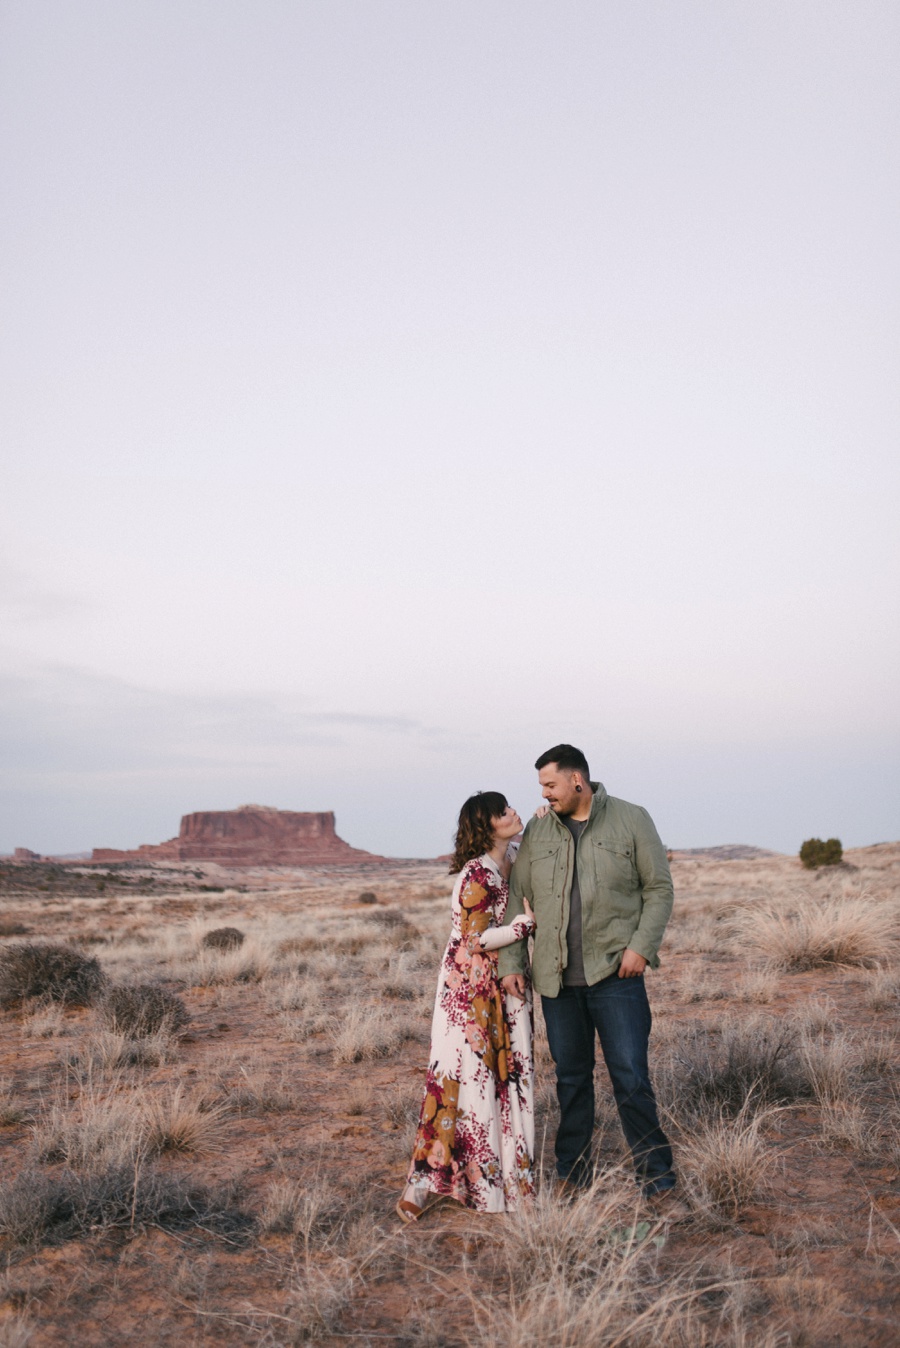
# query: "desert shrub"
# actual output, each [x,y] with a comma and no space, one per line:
[368,896]
[854,930]
[37,1207]
[814,852]
[750,1064]
[223,938]
[58,973]
[141,1009]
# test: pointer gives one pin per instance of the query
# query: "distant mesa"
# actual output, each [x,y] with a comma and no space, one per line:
[253,835]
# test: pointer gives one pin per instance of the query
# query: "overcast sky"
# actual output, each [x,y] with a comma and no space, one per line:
[391,390]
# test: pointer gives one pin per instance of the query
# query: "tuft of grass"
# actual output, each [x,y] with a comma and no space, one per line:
[98,1135]
[109,1051]
[843,1126]
[182,1123]
[365,1032]
[367,896]
[725,1161]
[828,1065]
[813,933]
[57,973]
[883,992]
[223,938]
[11,1111]
[142,1009]
[310,1211]
[759,986]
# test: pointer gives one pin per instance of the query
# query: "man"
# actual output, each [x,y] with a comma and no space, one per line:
[596,874]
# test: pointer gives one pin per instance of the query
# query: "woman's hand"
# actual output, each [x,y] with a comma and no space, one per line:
[529,911]
[542,811]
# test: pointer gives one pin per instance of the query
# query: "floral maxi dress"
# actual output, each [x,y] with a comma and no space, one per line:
[475,1140]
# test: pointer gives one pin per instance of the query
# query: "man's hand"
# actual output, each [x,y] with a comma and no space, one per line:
[514,986]
[632,966]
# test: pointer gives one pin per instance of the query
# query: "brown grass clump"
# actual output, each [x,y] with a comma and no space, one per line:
[725,1161]
[141,1009]
[816,932]
[184,1124]
[58,973]
[223,938]
[366,1032]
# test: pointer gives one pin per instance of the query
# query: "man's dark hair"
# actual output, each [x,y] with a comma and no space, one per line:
[567,757]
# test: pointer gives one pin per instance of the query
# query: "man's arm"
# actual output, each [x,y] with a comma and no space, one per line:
[656,883]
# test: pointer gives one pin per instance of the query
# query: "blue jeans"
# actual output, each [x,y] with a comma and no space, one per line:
[617,1010]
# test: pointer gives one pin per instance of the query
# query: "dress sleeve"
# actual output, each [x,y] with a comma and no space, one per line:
[475,909]
[496,937]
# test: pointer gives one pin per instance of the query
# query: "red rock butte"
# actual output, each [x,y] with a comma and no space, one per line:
[253,835]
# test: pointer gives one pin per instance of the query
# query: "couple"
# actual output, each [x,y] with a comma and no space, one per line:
[596,873]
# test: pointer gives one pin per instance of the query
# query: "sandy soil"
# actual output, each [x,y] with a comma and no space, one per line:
[815,1252]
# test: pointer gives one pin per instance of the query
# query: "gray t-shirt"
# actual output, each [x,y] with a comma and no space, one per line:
[573,974]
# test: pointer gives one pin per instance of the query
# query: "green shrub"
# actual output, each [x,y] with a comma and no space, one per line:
[815,852]
[142,1009]
[59,973]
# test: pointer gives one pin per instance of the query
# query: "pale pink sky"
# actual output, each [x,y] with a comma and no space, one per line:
[388,391]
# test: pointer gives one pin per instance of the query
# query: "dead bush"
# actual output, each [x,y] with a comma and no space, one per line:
[37,1208]
[753,1060]
[142,1009]
[223,938]
[57,973]
[367,896]
[852,930]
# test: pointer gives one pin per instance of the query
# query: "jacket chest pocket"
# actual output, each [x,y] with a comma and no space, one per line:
[544,862]
[615,864]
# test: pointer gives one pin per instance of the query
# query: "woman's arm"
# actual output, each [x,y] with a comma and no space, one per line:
[497,937]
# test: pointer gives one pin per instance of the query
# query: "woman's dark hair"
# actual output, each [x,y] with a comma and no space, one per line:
[474,833]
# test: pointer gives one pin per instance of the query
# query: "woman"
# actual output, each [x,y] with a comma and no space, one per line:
[475,1140]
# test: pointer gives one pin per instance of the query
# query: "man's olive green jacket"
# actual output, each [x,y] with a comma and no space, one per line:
[625,883]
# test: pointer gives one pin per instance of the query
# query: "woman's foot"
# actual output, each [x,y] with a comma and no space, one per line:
[411,1204]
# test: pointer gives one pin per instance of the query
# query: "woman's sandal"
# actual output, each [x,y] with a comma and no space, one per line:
[408,1212]
[411,1212]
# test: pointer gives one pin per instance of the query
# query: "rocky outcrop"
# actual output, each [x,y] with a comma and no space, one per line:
[253,835]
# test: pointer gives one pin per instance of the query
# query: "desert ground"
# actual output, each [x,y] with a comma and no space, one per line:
[216,1160]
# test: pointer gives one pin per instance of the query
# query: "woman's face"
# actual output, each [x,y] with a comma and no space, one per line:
[507,825]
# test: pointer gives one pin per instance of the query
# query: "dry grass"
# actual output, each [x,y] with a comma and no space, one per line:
[322,1145]
[883,992]
[364,1033]
[815,932]
[726,1161]
[180,1122]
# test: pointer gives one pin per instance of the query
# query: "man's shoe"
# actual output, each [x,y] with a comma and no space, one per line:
[667,1206]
